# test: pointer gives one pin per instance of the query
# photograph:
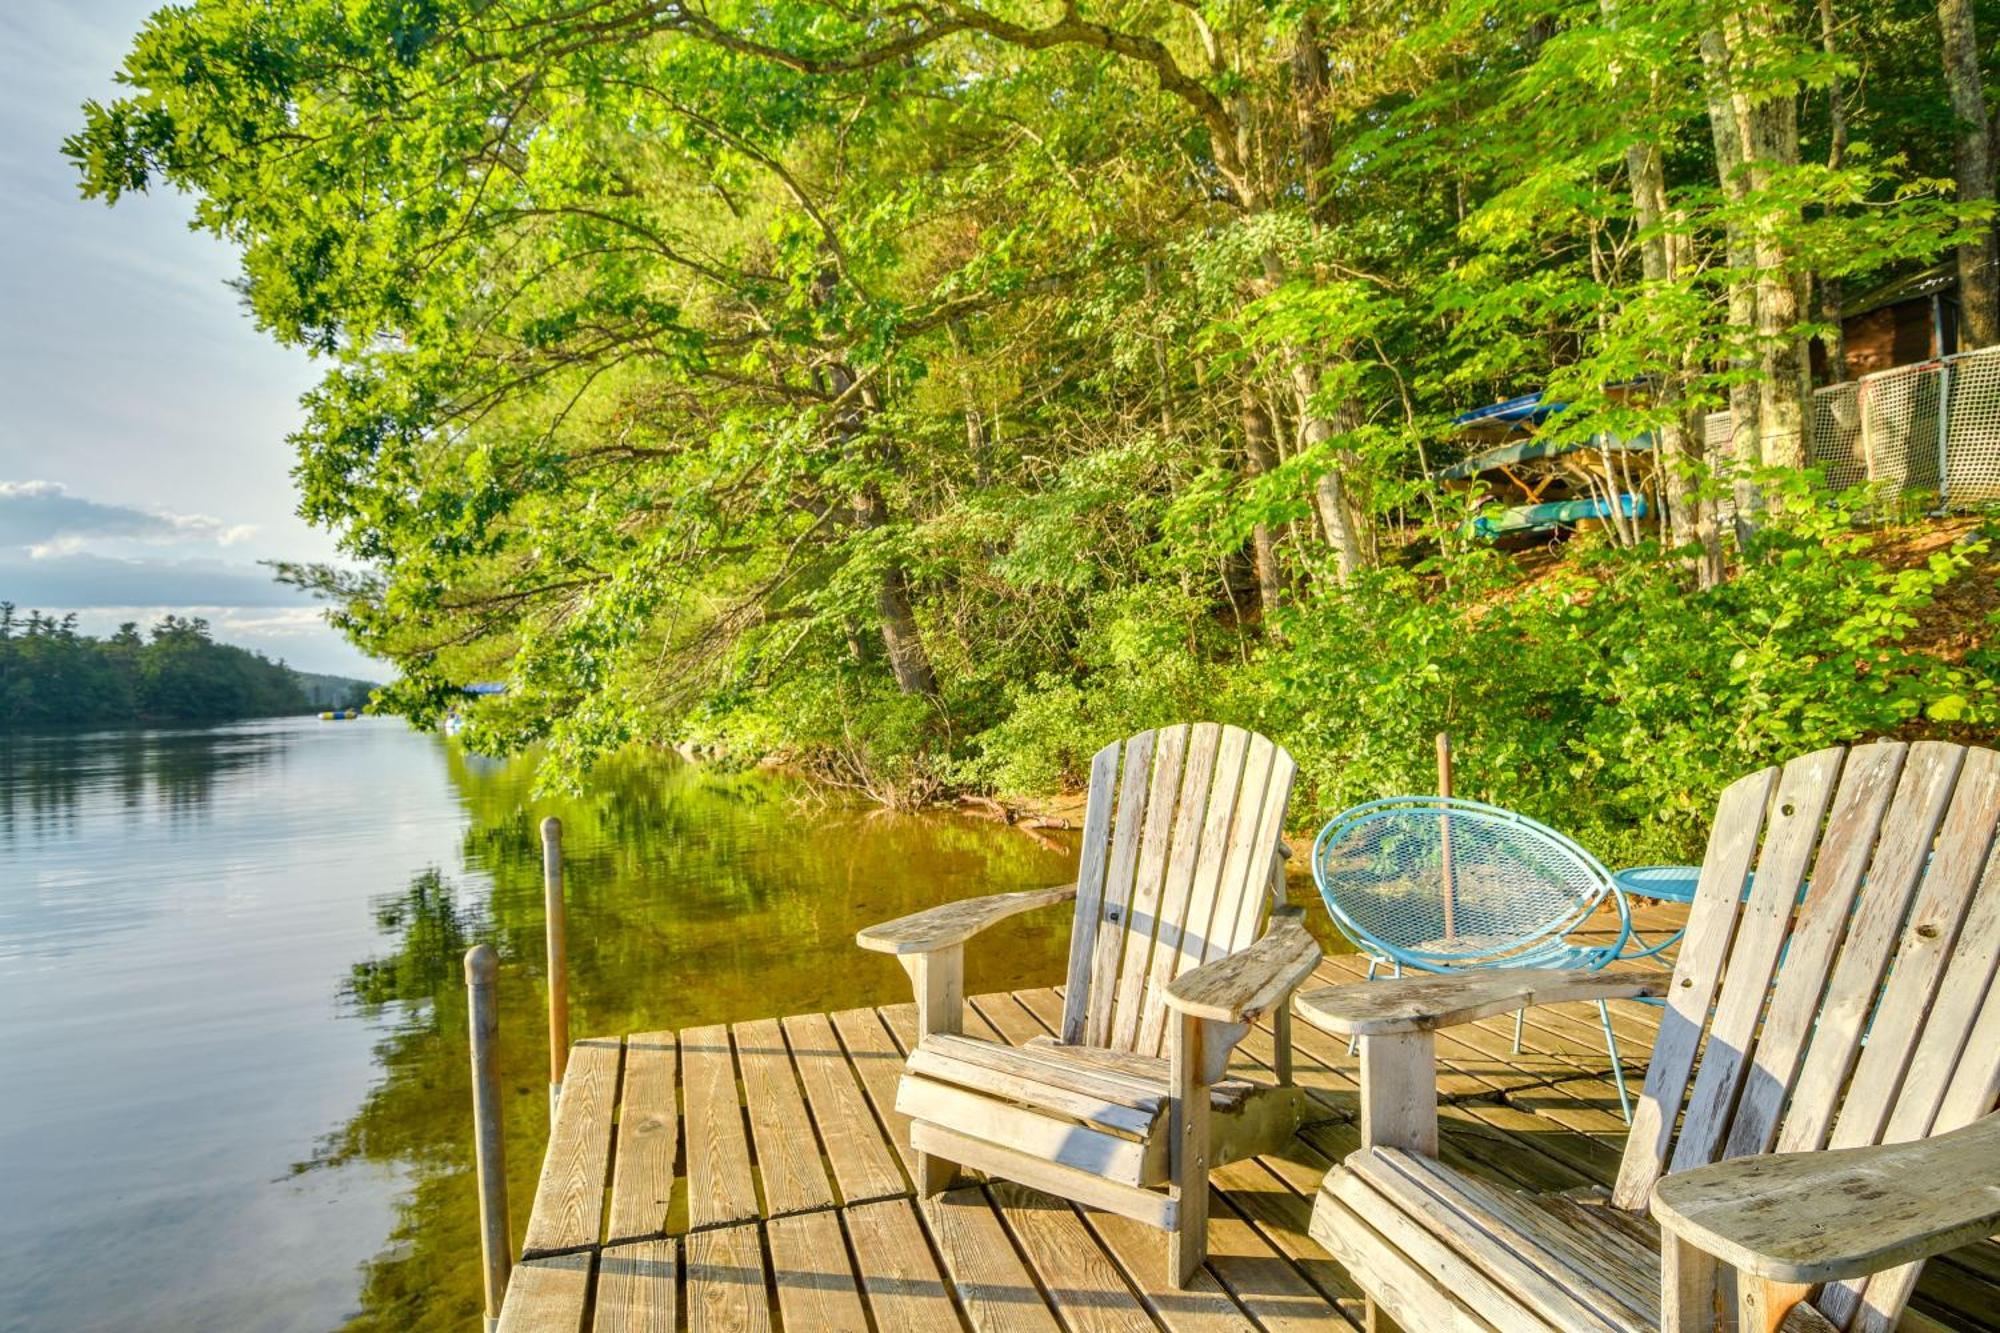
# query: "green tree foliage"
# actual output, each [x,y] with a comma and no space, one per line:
[928,392]
[50,675]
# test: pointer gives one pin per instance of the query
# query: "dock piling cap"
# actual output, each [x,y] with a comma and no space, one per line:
[481,964]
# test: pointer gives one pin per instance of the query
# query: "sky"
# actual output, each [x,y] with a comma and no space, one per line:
[143,462]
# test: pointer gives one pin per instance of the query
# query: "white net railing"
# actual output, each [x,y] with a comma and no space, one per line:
[1928,431]
[1833,434]
[1972,434]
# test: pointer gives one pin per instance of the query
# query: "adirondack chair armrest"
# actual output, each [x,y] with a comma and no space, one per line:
[949,924]
[1244,985]
[1839,1213]
[1424,1004]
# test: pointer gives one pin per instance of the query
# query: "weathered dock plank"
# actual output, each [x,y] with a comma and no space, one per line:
[902,1281]
[1083,1282]
[642,1177]
[994,1287]
[638,1288]
[864,1164]
[1200,1307]
[725,1281]
[569,1201]
[878,1063]
[548,1295]
[815,1280]
[1274,1291]
[788,1160]
[721,1189]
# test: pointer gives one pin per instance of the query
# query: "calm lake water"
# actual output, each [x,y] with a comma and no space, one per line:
[233,1048]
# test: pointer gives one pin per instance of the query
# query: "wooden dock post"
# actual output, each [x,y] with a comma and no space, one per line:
[489,1148]
[552,894]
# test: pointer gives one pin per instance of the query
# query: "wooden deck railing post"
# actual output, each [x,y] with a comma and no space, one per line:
[489,1148]
[552,894]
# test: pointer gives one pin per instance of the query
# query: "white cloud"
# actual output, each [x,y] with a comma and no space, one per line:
[73,580]
[276,623]
[47,519]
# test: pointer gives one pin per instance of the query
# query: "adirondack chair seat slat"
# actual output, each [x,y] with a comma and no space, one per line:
[1127,1098]
[1517,1260]
[1174,950]
[1834,998]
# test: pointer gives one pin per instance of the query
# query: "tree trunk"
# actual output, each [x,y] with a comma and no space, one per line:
[1308,115]
[975,419]
[907,658]
[1972,156]
[1260,455]
[894,614]
[1682,446]
[1836,92]
[1709,567]
[1769,128]
[1678,456]
[900,636]
[1331,494]
[1742,260]
[1826,291]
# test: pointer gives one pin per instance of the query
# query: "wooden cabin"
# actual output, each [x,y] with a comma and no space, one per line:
[1899,323]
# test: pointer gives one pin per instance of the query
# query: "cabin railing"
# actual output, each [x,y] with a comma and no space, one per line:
[1930,431]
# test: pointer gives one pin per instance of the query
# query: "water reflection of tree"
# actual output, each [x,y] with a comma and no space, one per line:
[184,766]
[693,897]
[416,1117]
[63,792]
[45,777]
[433,932]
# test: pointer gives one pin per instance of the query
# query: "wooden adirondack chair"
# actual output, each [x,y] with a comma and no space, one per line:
[1855,1031]
[1169,965]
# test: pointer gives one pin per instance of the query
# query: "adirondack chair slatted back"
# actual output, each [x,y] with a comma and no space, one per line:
[1849,1000]
[1179,851]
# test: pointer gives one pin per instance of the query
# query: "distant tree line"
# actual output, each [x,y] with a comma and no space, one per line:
[324,691]
[51,675]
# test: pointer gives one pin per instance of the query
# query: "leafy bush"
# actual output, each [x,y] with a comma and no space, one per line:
[1607,697]
[1146,659]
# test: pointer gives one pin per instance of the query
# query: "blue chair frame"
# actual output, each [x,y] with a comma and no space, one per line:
[1541,943]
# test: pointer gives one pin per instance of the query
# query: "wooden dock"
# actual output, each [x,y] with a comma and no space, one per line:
[755,1176]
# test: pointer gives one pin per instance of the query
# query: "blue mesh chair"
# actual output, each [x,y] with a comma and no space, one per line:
[1441,885]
